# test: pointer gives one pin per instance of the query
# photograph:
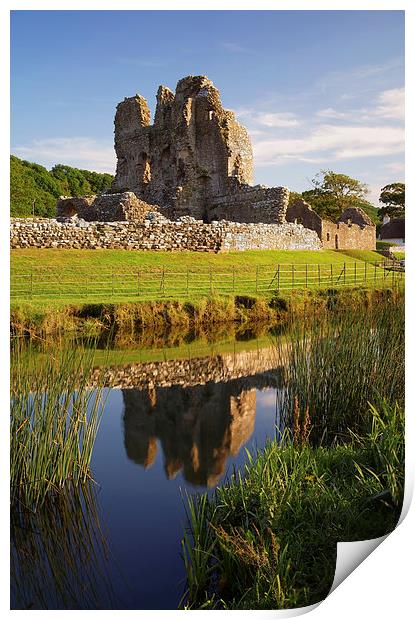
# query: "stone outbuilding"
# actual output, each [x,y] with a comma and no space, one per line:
[354,230]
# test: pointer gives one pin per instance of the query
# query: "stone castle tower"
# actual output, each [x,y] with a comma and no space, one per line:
[196,159]
[188,155]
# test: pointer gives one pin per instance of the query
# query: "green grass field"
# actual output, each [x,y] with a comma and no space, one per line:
[44,276]
[87,261]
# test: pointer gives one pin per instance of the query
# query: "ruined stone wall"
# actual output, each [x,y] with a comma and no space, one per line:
[251,204]
[105,207]
[300,212]
[353,230]
[187,234]
[342,236]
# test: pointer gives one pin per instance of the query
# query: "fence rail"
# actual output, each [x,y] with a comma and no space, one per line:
[163,283]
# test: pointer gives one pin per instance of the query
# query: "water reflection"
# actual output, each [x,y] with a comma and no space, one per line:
[60,555]
[197,426]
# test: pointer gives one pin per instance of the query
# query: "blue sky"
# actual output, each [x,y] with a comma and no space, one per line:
[316,89]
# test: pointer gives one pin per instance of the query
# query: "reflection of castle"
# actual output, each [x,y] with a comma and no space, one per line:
[199,426]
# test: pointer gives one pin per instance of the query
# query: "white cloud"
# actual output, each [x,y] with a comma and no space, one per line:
[277,119]
[396,167]
[332,142]
[391,104]
[234,48]
[81,152]
[331,113]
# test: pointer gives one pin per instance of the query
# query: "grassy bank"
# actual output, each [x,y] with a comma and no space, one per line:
[267,539]
[50,317]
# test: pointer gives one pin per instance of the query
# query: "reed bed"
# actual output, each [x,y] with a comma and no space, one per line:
[267,538]
[338,363]
[53,424]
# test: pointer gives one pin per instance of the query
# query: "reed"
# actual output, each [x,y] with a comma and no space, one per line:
[267,538]
[338,363]
[53,424]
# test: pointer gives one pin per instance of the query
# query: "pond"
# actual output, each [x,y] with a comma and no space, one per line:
[181,413]
[169,426]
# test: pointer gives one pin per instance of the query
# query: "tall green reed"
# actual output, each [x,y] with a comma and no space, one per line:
[336,364]
[54,421]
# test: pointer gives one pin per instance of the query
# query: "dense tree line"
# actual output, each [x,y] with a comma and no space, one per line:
[34,189]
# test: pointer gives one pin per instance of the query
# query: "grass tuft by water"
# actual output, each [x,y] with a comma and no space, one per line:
[54,421]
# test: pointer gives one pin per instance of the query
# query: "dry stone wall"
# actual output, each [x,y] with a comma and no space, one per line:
[158,233]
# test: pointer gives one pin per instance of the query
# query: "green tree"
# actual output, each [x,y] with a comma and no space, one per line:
[333,192]
[393,197]
[33,188]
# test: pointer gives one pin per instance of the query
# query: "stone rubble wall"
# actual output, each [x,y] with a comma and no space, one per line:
[248,204]
[105,207]
[160,234]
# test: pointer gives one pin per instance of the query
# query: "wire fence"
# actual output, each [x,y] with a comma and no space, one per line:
[163,283]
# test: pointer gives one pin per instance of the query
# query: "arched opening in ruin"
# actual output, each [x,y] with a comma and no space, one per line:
[336,242]
[328,236]
[69,210]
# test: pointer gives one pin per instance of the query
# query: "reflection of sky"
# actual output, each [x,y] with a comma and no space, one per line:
[143,511]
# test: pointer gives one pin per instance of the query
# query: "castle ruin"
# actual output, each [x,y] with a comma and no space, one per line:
[185,183]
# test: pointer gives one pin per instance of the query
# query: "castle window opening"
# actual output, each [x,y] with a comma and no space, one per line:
[328,236]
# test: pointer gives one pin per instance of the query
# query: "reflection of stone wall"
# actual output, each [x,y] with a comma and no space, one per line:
[194,371]
[198,427]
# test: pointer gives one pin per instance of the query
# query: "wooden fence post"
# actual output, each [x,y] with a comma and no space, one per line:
[162,283]
[306,275]
[292,276]
[279,278]
[344,273]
